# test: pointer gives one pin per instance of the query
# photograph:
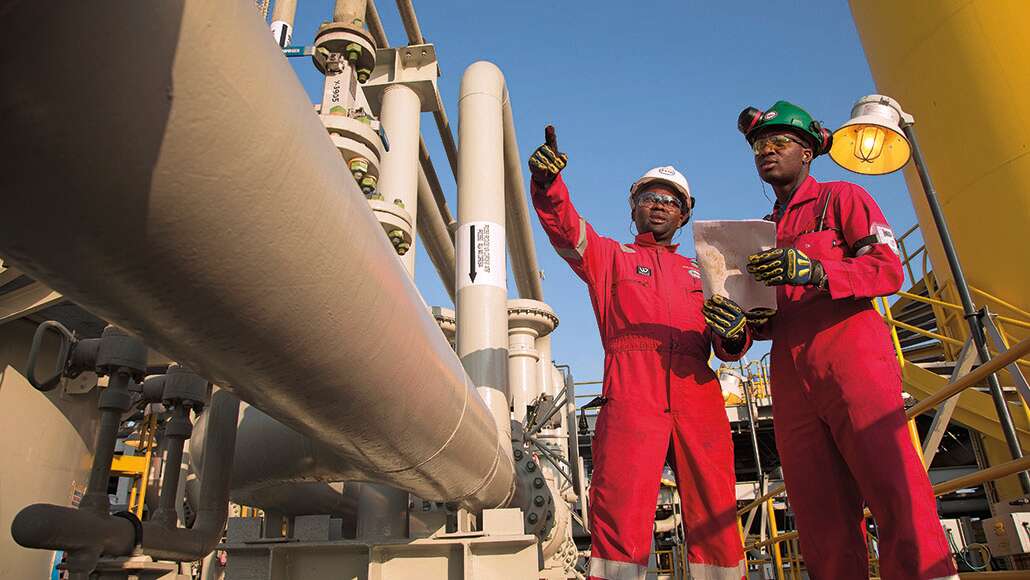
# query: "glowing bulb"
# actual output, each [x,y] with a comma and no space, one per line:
[869,143]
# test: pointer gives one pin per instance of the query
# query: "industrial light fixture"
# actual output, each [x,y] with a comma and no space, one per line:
[873,141]
[878,139]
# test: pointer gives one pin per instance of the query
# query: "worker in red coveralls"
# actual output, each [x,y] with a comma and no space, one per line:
[841,429]
[659,393]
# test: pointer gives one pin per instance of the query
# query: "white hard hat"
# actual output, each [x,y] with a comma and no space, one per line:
[666,174]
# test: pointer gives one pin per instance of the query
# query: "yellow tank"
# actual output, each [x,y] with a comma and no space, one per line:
[963,70]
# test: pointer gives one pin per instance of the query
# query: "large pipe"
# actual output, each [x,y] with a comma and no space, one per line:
[519,232]
[171,215]
[482,294]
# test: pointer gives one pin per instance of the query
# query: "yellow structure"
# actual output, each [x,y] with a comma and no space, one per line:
[960,68]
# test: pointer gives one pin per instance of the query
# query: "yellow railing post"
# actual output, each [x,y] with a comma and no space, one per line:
[773,532]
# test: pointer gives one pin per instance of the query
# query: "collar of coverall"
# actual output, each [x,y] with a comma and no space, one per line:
[806,192]
[647,240]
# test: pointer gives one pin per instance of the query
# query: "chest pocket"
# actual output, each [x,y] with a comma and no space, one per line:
[822,245]
[635,306]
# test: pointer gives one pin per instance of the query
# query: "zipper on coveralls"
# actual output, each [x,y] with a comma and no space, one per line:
[668,325]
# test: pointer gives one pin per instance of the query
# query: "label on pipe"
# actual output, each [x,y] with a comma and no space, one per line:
[282,32]
[480,255]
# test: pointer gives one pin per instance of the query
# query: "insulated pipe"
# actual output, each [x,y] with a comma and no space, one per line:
[398,173]
[176,433]
[215,172]
[284,11]
[482,290]
[432,229]
[350,12]
[520,234]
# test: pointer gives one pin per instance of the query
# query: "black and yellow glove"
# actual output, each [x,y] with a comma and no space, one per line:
[757,317]
[785,266]
[547,162]
[725,317]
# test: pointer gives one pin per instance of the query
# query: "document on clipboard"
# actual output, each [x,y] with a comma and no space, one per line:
[722,249]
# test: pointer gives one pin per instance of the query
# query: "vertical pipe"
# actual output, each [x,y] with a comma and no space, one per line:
[481,309]
[522,371]
[282,21]
[284,11]
[176,437]
[399,171]
[545,367]
[968,310]
[382,509]
[111,411]
[350,12]
[520,239]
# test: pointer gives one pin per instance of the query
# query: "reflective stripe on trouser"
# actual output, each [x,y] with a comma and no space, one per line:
[611,570]
[631,444]
[713,572]
[843,440]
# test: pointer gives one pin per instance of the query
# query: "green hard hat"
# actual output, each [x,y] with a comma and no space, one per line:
[784,115]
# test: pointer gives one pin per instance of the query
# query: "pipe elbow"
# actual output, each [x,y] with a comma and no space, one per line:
[483,77]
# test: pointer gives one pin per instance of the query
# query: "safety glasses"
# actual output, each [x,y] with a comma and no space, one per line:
[778,142]
[653,198]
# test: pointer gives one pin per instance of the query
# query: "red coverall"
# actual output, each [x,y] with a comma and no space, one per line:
[841,429]
[659,391]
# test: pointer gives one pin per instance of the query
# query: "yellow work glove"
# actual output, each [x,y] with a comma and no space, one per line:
[547,162]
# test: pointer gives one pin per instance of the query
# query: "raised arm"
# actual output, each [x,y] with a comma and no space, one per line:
[572,237]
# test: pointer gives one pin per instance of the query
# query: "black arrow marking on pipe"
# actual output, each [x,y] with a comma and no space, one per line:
[472,253]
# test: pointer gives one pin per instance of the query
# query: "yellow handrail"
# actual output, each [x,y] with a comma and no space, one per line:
[973,377]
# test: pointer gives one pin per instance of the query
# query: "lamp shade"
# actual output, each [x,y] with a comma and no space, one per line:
[872,142]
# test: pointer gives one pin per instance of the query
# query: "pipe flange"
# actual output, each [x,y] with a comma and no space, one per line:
[396,222]
[446,319]
[533,495]
[356,46]
[350,150]
[365,141]
[532,315]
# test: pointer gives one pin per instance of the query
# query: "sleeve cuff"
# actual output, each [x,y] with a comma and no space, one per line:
[839,280]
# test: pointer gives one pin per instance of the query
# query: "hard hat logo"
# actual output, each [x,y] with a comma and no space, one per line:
[770,115]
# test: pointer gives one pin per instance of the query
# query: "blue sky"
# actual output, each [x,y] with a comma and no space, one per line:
[627,91]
